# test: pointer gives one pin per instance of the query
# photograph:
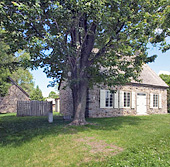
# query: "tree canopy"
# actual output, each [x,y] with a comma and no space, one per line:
[53,95]
[85,42]
[5,68]
[37,94]
[19,74]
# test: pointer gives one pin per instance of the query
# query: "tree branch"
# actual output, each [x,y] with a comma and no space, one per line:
[108,44]
[84,40]
[40,35]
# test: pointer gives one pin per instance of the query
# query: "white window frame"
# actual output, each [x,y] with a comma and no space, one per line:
[126,99]
[104,96]
[155,100]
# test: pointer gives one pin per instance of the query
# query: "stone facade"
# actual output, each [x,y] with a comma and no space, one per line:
[149,96]
[93,105]
[94,101]
[66,101]
[9,102]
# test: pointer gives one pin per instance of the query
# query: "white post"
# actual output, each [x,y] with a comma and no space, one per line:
[50,113]
[50,117]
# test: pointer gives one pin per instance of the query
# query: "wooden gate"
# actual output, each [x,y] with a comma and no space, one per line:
[33,108]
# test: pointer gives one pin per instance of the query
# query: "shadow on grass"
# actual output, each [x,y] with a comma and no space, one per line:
[15,131]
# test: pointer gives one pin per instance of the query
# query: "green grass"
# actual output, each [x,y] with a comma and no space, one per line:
[32,141]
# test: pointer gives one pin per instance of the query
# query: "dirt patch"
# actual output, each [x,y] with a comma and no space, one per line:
[98,148]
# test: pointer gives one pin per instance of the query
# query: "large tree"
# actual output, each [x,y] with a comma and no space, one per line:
[84,42]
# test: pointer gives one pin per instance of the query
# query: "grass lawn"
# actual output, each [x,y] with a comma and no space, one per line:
[122,141]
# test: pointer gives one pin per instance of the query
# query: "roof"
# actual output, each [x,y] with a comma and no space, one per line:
[149,77]
[14,83]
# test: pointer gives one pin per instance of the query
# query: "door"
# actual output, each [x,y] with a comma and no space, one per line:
[141,104]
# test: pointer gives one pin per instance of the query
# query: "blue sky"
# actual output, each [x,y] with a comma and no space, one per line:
[162,63]
[42,81]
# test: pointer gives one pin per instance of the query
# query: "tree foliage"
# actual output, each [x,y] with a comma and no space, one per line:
[87,41]
[37,94]
[53,95]
[5,68]
[20,75]
[166,78]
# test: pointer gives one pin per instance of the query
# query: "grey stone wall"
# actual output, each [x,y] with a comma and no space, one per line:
[9,102]
[96,111]
[66,105]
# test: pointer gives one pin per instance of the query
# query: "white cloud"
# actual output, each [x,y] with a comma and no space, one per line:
[164,72]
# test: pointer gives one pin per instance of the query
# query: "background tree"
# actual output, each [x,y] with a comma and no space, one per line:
[166,78]
[37,94]
[22,76]
[6,67]
[53,95]
[19,74]
[87,41]
[24,79]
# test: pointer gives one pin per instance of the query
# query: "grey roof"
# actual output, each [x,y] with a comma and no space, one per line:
[149,77]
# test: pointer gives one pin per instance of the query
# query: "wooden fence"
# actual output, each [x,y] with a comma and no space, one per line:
[33,108]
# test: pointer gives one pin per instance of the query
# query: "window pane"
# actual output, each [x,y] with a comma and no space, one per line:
[109,99]
[128,105]
[155,100]
[107,94]
[124,99]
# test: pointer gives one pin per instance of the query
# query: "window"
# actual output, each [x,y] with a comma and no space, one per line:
[126,99]
[106,99]
[109,99]
[155,100]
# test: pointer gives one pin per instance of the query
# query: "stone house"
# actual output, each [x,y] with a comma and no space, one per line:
[136,98]
[15,93]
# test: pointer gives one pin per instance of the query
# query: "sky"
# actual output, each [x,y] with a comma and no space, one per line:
[160,65]
[42,81]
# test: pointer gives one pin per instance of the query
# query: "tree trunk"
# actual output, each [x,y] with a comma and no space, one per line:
[79,103]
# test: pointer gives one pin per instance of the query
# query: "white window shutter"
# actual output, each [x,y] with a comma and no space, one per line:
[121,100]
[102,98]
[160,101]
[133,99]
[116,100]
[151,100]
